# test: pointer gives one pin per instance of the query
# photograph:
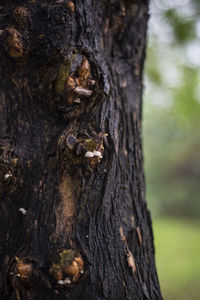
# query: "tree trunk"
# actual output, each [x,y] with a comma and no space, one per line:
[73,217]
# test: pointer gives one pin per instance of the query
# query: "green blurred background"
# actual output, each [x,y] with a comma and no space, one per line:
[171,137]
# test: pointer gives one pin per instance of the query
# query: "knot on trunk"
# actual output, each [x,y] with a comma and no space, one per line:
[13,42]
[67,267]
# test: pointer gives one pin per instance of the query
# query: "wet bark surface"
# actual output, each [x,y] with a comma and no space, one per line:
[73,218]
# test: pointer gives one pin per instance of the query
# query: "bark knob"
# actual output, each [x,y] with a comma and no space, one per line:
[70,5]
[24,270]
[13,42]
[67,266]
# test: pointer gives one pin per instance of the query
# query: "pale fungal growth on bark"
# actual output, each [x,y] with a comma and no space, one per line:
[79,82]
[8,175]
[89,154]
[67,281]
[92,82]
[22,210]
[97,153]
[82,91]
[77,101]
[92,154]
[60,282]
[63,282]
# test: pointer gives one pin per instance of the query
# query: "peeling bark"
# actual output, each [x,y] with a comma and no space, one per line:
[71,153]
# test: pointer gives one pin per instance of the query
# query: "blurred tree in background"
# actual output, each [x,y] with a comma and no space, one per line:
[171,134]
[172,109]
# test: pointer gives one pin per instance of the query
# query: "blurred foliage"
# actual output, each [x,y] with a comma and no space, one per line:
[183,28]
[171,134]
[178,266]
[172,109]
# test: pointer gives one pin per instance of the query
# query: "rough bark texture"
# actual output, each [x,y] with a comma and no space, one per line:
[71,155]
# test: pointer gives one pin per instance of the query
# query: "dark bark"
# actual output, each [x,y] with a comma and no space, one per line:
[71,84]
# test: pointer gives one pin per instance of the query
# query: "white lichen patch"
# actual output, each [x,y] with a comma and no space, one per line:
[22,210]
